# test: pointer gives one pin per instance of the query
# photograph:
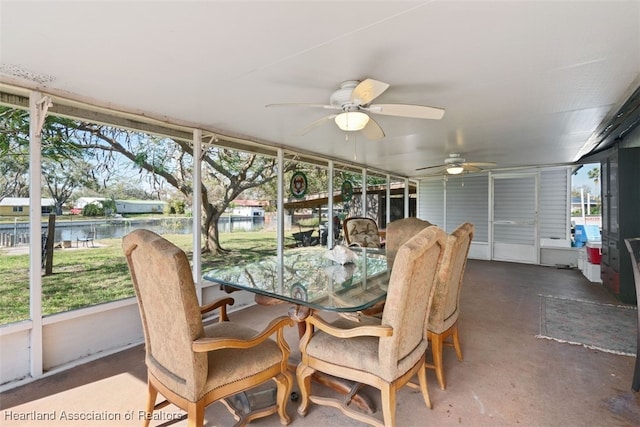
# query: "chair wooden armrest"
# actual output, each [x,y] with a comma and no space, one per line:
[222,304]
[210,343]
[358,331]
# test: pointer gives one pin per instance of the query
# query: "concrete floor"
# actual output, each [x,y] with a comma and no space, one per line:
[508,376]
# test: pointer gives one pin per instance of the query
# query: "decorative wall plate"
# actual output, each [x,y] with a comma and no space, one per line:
[299,292]
[298,184]
[347,191]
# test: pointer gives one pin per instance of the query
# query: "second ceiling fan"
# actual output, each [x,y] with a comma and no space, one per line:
[353,101]
[455,164]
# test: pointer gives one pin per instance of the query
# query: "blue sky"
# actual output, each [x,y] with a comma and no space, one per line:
[581,178]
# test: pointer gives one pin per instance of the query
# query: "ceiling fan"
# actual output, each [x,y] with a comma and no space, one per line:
[353,101]
[455,164]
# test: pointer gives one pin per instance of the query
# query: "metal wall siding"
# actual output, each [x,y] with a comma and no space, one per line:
[553,204]
[468,201]
[431,206]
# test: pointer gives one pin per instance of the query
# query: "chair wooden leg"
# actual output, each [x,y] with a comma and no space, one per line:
[424,388]
[152,394]
[436,350]
[456,341]
[388,397]
[195,414]
[284,385]
[303,372]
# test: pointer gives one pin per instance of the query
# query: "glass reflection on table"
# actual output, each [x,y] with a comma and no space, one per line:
[311,279]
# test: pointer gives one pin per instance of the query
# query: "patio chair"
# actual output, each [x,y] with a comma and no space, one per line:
[400,231]
[443,320]
[633,246]
[361,231]
[190,364]
[86,239]
[387,355]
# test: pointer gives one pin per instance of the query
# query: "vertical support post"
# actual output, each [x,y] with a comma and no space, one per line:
[280,216]
[417,183]
[280,204]
[388,201]
[582,205]
[330,231]
[406,197]
[567,235]
[364,193]
[38,106]
[196,207]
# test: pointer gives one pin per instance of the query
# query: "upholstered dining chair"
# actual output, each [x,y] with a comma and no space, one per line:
[361,231]
[189,364]
[385,355]
[398,232]
[443,320]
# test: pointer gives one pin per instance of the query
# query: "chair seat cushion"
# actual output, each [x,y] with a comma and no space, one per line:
[359,353]
[230,365]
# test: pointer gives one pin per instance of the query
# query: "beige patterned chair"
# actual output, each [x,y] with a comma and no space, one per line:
[387,355]
[443,320]
[192,365]
[361,231]
[398,232]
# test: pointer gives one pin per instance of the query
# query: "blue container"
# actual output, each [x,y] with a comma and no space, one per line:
[593,233]
[580,236]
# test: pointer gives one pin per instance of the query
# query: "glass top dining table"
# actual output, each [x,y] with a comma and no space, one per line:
[307,277]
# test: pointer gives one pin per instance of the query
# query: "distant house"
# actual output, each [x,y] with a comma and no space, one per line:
[126,206]
[249,208]
[19,206]
[140,206]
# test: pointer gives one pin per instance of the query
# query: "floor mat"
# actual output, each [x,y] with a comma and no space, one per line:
[604,327]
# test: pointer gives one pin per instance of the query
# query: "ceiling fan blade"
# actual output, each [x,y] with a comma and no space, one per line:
[430,167]
[470,168]
[480,164]
[407,110]
[316,124]
[325,106]
[373,130]
[368,90]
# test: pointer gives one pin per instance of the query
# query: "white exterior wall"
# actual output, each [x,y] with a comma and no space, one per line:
[139,206]
[79,336]
[451,200]
[248,211]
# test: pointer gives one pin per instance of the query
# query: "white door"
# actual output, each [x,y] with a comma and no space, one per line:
[514,218]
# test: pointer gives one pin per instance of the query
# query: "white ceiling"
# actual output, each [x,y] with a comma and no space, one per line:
[523,83]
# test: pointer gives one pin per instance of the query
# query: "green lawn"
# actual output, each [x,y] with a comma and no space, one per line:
[91,276]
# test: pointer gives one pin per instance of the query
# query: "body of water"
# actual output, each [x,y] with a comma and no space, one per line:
[117,228]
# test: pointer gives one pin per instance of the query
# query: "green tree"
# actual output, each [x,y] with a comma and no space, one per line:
[63,177]
[163,161]
[594,174]
[14,149]
[226,173]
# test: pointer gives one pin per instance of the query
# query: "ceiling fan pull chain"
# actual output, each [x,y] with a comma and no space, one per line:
[355,142]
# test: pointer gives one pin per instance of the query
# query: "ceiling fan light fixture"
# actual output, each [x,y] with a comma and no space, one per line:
[352,120]
[455,170]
